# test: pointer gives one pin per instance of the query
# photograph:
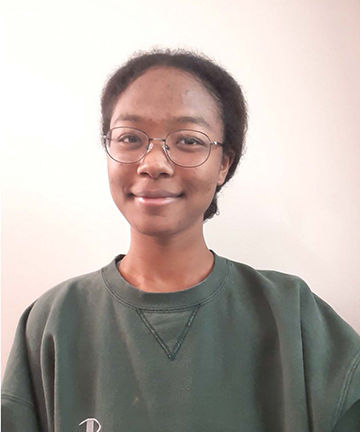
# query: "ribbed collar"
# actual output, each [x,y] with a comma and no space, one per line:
[135,297]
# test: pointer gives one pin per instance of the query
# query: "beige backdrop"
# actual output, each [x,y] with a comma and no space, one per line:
[294,204]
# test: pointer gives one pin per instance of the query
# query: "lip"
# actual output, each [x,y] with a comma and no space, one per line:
[156,194]
[151,198]
[155,201]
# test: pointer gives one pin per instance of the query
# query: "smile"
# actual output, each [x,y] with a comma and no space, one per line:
[155,201]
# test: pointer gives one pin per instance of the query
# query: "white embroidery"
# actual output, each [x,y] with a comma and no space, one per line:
[90,422]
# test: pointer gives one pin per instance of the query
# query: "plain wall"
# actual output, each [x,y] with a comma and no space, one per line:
[293,205]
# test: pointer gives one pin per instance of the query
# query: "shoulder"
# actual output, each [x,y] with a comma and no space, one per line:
[271,283]
[66,302]
[72,288]
[289,293]
[327,347]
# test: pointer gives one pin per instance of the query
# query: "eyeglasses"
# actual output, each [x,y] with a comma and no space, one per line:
[186,147]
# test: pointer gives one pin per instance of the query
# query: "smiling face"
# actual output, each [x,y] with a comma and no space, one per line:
[157,197]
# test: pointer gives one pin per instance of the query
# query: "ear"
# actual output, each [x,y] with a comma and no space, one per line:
[227,160]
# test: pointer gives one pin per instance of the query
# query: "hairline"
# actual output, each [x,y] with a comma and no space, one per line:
[204,83]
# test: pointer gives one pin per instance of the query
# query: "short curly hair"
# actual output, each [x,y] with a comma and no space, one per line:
[221,85]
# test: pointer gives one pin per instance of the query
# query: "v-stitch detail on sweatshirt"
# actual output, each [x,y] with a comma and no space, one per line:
[170,352]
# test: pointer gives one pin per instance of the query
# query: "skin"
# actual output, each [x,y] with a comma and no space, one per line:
[167,250]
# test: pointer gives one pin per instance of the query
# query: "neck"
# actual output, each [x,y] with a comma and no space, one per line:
[166,264]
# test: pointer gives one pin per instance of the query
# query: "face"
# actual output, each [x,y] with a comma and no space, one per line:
[157,197]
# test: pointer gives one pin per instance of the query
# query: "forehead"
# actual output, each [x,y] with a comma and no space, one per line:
[166,92]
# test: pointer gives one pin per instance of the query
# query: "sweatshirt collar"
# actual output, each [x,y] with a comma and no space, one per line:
[195,295]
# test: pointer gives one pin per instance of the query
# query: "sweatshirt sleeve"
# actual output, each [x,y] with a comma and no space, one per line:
[17,415]
[349,420]
[18,405]
[331,356]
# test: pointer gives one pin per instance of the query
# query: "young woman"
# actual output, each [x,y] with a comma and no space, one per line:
[172,336]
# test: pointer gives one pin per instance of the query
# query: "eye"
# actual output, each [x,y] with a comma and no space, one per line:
[189,141]
[130,139]
[127,139]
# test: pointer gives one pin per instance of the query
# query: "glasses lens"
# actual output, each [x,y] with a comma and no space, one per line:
[188,148]
[126,144]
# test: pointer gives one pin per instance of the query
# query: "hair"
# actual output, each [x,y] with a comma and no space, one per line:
[220,84]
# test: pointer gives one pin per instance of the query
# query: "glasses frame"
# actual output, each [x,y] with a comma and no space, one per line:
[165,147]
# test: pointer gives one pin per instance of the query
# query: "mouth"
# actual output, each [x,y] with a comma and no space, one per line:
[155,200]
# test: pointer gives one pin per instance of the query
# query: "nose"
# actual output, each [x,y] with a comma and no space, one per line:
[156,162]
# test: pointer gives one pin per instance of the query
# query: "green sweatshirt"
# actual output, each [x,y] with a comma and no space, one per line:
[244,350]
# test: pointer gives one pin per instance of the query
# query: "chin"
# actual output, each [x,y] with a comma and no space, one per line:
[158,228]
[154,230]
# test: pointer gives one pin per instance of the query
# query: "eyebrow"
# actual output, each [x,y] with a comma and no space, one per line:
[180,119]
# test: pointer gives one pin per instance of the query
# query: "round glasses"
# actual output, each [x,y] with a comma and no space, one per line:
[186,147]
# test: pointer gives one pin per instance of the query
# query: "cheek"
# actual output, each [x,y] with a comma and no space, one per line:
[117,181]
[203,187]
[113,178]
